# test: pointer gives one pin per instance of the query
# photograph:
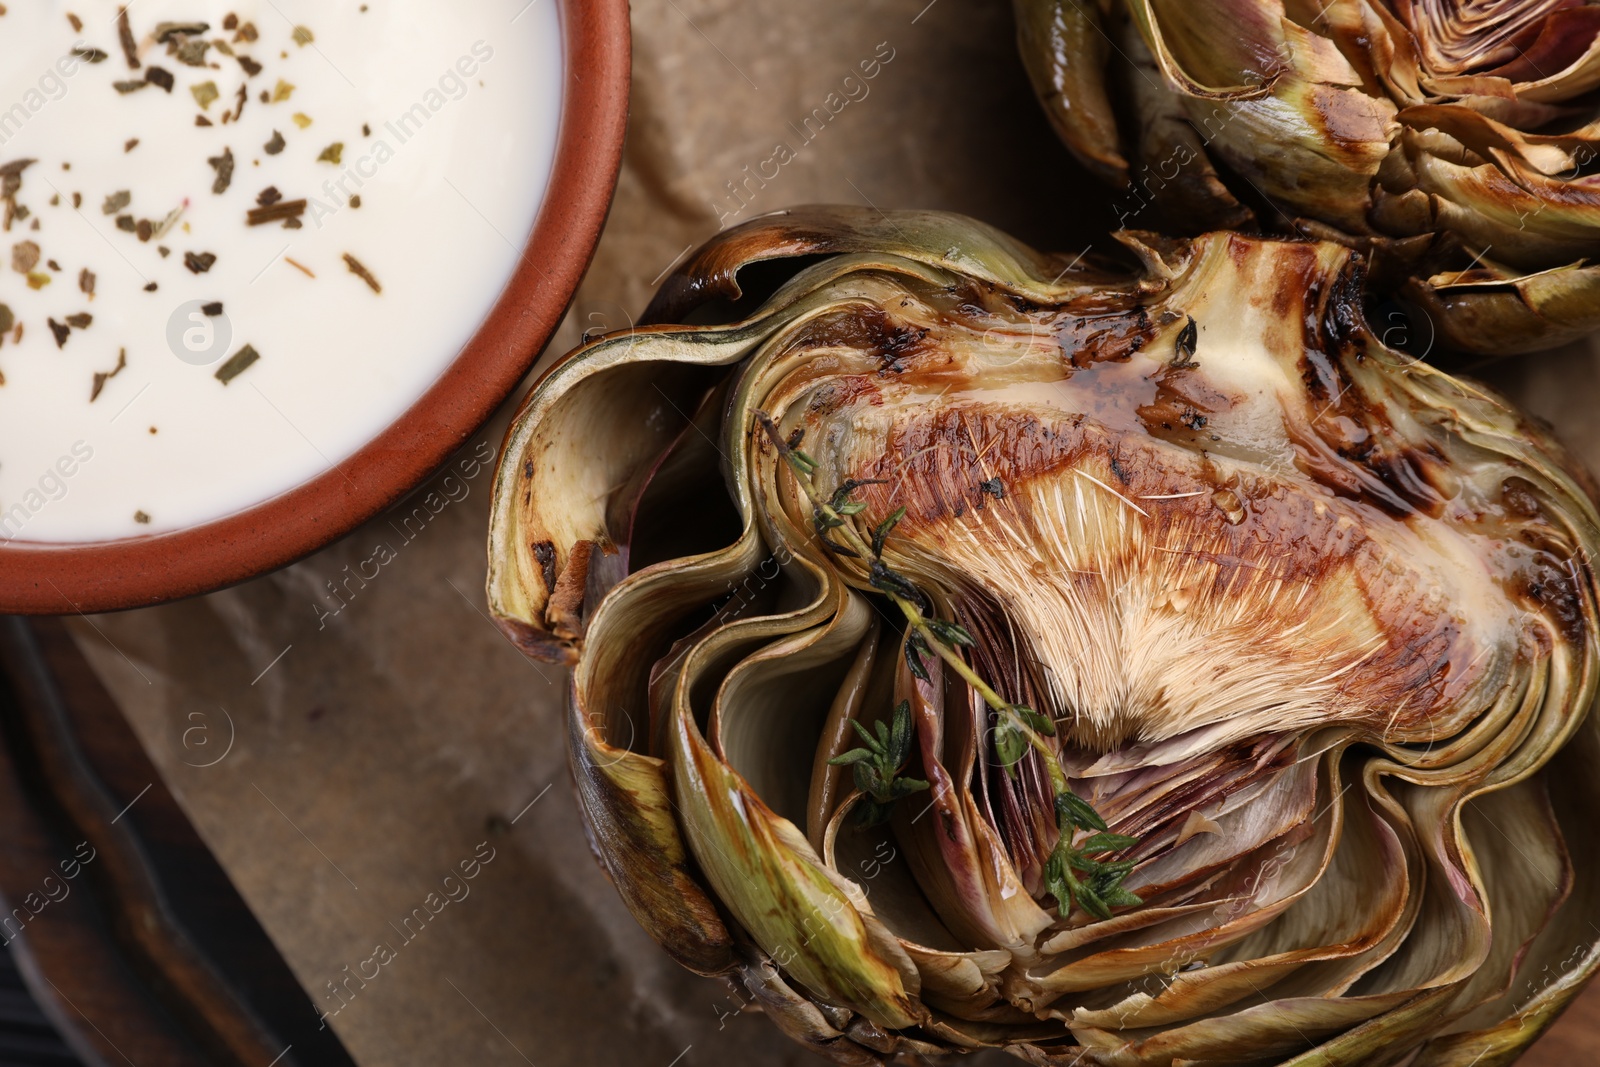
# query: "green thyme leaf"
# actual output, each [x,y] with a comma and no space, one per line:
[901,788]
[950,633]
[1077,812]
[1010,745]
[914,658]
[900,735]
[1108,843]
[876,768]
[1039,723]
[873,743]
[880,533]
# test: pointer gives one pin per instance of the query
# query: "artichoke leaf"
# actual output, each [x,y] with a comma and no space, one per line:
[955,853]
[1514,313]
[1175,171]
[960,982]
[1278,878]
[1244,62]
[1064,48]
[932,238]
[766,873]
[628,810]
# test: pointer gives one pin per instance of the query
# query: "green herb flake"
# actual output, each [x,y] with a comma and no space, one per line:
[303,36]
[116,202]
[282,91]
[204,94]
[237,364]
[334,154]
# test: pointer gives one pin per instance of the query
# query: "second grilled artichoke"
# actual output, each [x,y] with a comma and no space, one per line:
[1457,142]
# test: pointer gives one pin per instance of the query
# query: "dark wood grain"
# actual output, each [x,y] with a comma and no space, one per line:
[145,954]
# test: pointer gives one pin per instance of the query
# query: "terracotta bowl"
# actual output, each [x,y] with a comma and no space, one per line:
[45,579]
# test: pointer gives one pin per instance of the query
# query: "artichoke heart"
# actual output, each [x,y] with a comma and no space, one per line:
[973,648]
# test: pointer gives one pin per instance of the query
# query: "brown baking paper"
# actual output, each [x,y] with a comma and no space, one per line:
[381,773]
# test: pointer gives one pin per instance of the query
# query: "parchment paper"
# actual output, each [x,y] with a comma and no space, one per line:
[351,732]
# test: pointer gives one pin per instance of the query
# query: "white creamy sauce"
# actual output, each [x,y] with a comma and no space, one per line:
[442,119]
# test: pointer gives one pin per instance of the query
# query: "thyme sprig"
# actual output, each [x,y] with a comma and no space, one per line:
[1072,874]
[877,767]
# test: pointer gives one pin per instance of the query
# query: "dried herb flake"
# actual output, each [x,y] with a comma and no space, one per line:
[166,31]
[223,165]
[24,256]
[102,377]
[237,364]
[130,48]
[286,211]
[362,272]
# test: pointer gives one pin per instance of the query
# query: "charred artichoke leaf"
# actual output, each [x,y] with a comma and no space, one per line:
[1065,48]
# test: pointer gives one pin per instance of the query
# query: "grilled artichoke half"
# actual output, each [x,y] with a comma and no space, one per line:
[1457,140]
[1311,621]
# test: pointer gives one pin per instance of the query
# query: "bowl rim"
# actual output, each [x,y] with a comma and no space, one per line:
[42,578]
